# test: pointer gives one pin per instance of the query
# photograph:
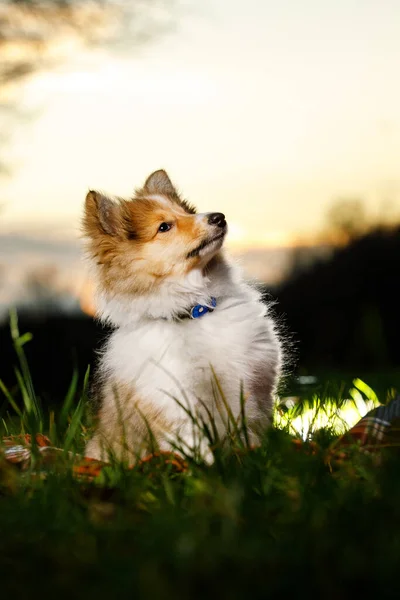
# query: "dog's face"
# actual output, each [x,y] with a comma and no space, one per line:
[140,243]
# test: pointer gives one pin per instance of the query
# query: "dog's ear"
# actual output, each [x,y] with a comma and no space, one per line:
[102,215]
[159,183]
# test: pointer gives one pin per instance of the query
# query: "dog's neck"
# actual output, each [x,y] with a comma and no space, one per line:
[172,300]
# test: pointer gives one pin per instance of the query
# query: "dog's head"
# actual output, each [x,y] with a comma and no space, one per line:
[153,237]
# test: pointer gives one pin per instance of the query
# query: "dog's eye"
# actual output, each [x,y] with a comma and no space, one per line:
[164,227]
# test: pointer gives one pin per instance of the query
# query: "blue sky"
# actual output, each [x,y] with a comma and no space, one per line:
[267,111]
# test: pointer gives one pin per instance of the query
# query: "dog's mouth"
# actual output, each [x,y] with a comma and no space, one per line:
[205,243]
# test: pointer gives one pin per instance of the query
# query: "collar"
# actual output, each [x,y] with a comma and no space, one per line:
[198,310]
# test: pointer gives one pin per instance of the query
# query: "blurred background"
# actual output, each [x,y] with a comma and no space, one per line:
[284,116]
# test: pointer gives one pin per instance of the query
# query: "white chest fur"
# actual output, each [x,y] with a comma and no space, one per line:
[163,360]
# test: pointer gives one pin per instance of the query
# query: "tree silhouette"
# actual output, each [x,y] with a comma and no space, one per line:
[347,219]
[37,34]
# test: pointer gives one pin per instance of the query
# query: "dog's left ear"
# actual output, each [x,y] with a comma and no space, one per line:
[159,183]
[101,216]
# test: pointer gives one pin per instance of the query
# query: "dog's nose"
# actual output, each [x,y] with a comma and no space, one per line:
[217,219]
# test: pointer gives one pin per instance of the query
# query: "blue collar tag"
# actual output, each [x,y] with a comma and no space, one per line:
[200,309]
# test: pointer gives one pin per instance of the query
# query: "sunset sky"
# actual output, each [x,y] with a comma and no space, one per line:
[264,110]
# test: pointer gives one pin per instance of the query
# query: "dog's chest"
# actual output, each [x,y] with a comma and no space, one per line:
[171,358]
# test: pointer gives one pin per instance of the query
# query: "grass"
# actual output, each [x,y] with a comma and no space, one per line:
[283,519]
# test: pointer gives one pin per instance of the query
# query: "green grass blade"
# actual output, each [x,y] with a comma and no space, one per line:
[10,399]
[74,426]
[69,399]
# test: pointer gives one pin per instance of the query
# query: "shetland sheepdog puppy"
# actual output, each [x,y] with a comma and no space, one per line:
[192,342]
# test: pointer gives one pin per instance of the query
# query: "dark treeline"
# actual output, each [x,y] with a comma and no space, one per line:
[60,344]
[342,314]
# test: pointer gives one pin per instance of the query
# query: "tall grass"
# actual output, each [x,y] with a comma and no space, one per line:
[334,409]
[66,427]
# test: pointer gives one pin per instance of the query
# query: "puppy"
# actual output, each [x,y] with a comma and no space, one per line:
[192,341]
